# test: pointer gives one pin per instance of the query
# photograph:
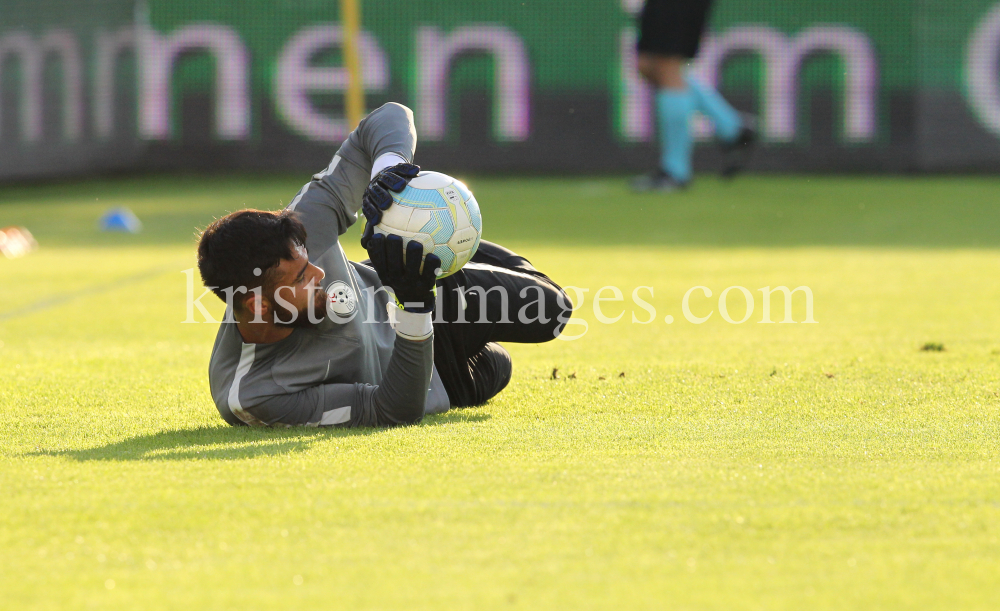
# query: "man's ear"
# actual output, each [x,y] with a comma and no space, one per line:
[255,303]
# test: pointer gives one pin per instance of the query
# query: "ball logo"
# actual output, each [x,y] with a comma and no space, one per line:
[342,300]
[452,195]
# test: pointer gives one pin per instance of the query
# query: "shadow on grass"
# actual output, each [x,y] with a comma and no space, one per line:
[233,443]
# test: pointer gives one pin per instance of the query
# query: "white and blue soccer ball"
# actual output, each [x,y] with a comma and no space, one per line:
[439,212]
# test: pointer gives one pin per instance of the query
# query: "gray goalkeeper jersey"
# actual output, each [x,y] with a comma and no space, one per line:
[328,374]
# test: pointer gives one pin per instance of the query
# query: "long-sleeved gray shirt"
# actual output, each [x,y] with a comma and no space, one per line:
[352,369]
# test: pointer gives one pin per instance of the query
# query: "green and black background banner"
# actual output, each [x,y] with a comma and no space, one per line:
[495,86]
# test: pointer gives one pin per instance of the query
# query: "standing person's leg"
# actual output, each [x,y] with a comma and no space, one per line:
[736,132]
[497,297]
[710,103]
[674,105]
[669,34]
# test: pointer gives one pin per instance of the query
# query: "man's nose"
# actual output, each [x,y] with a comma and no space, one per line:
[321,273]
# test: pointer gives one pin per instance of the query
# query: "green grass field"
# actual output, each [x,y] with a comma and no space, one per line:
[734,466]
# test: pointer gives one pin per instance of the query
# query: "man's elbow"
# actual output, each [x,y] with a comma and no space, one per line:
[394,108]
[412,414]
[390,114]
[393,412]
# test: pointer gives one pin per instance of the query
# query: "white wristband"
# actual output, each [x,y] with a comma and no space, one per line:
[386,160]
[410,325]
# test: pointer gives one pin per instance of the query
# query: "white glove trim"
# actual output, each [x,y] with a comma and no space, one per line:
[413,326]
[386,160]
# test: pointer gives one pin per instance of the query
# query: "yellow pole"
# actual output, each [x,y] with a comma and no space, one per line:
[350,16]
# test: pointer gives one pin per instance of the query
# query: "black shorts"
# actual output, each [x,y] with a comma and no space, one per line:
[672,27]
[472,366]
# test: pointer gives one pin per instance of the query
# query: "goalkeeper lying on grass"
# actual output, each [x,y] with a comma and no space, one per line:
[308,338]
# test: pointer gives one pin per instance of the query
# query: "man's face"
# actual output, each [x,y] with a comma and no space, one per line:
[296,282]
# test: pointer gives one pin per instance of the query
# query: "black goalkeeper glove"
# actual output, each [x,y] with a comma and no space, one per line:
[414,288]
[377,197]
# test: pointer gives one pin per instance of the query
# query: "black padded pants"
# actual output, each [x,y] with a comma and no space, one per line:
[505,300]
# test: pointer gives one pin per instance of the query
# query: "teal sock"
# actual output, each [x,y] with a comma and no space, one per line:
[711,104]
[673,109]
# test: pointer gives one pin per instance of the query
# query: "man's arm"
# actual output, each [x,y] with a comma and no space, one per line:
[399,399]
[329,203]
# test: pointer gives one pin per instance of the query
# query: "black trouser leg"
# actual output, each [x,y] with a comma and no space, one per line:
[506,300]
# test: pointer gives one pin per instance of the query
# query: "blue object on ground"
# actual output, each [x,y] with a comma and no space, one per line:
[120,219]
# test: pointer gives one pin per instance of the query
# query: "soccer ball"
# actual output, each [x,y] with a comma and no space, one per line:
[439,212]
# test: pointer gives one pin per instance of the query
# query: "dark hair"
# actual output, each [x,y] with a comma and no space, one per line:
[232,247]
